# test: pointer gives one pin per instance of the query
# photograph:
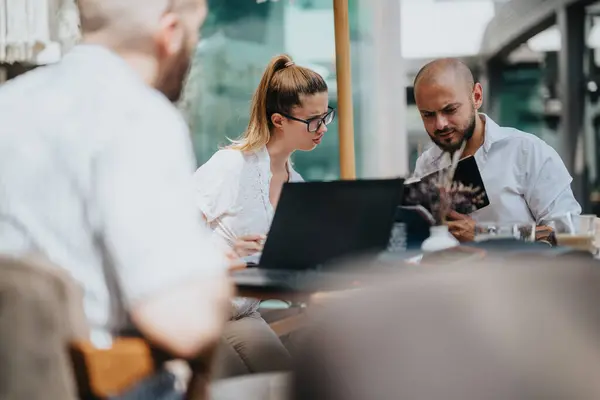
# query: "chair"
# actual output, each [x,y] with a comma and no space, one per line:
[39,316]
[45,352]
[44,347]
[488,329]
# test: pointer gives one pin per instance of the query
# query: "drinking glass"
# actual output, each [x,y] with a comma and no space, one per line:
[398,238]
[576,231]
[504,230]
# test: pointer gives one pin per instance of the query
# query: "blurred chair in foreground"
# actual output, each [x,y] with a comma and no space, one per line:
[46,353]
[40,313]
[528,329]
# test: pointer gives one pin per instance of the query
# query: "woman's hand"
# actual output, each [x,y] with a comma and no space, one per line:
[235,262]
[248,245]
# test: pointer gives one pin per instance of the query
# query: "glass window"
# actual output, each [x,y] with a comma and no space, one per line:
[238,40]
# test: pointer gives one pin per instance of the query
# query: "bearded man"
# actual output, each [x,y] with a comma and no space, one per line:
[525,179]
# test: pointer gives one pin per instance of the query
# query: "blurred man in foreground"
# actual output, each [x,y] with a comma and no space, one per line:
[95,167]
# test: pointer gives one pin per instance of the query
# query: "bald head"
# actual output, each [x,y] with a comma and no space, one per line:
[448,100]
[156,37]
[127,23]
[445,71]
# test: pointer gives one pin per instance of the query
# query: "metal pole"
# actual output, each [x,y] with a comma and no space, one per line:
[571,21]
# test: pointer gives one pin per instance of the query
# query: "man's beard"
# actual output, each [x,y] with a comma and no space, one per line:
[467,134]
[173,80]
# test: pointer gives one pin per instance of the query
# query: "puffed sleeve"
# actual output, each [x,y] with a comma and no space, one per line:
[217,182]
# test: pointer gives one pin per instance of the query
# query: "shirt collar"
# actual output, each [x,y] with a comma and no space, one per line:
[264,161]
[263,164]
[263,156]
[493,133]
[102,59]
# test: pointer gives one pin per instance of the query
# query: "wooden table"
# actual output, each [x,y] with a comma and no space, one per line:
[297,321]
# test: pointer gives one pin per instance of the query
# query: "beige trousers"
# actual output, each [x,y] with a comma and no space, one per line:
[249,345]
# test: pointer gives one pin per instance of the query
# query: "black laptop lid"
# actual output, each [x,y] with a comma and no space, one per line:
[316,222]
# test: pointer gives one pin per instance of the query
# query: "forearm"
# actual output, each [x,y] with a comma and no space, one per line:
[185,320]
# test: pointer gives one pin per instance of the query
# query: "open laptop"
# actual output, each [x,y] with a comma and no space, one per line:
[319,223]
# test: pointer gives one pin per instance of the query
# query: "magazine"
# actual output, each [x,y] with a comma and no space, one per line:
[467,193]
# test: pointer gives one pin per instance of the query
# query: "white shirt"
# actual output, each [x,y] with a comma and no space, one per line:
[232,190]
[525,179]
[96,174]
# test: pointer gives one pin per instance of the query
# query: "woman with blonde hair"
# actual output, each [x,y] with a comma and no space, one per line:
[237,190]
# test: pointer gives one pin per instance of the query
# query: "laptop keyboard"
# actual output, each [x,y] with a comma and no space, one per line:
[271,274]
[282,279]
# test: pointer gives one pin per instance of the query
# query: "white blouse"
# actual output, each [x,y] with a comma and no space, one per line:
[232,191]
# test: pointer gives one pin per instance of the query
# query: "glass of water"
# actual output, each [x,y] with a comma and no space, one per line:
[505,230]
[398,238]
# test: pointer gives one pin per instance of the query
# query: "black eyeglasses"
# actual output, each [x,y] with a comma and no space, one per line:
[313,124]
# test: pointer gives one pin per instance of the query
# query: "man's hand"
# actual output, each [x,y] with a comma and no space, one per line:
[461,226]
[248,245]
[545,234]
